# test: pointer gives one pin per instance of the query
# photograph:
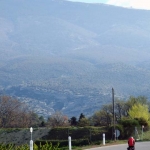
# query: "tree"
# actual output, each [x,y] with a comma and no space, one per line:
[58,119]
[101,118]
[81,116]
[128,126]
[126,122]
[83,122]
[135,100]
[120,109]
[142,122]
[139,111]
[73,121]
[13,113]
[106,114]
[42,121]
[34,119]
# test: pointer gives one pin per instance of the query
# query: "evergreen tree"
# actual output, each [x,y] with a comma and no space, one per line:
[81,116]
[73,121]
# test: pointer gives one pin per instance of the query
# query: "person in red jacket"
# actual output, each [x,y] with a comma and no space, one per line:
[131,143]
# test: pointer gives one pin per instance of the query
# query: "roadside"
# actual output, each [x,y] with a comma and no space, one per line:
[108,143]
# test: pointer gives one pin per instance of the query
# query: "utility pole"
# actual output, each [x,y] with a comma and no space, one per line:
[114,133]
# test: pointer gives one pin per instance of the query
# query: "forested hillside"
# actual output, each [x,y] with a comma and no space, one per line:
[67,56]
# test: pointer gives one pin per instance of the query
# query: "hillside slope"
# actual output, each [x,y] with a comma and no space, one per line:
[67,56]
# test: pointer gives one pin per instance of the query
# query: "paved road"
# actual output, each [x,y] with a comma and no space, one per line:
[138,146]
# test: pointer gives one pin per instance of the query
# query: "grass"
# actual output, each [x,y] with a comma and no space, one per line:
[146,135]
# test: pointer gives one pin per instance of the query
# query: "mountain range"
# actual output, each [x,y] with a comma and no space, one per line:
[57,55]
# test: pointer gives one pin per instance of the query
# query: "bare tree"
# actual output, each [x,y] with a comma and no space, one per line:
[101,118]
[58,119]
[13,113]
[120,109]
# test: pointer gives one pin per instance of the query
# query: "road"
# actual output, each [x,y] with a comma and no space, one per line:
[138,146]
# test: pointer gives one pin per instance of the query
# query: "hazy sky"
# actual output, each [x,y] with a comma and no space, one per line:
[140,4]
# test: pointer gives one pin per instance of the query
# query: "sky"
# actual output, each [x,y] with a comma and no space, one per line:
[138,4]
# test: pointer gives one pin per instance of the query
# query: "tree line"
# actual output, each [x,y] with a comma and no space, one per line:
[135,110]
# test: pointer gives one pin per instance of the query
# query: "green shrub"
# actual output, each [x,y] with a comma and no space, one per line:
[129,126]
[63,143]
[129,122]
[46,146]
[142,121]
[91,133]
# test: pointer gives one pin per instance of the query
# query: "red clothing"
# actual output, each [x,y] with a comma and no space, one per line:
[131,141]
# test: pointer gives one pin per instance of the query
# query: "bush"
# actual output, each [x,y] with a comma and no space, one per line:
[129,122]
[63,143]
[128,126]
[91,133]
[142,121]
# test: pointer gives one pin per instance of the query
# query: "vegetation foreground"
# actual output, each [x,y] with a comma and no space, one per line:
[131,117]
[26,147]
[49,146]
